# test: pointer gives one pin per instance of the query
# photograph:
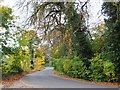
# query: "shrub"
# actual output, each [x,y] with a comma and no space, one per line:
[109,71]
[58,65]
[67,64]
[73,67]
[10,67]
[102,69]
[79,68]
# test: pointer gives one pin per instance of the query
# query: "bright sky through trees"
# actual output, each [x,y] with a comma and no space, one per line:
[95,14]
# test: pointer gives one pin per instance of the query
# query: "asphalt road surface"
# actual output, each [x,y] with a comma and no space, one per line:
[45,79]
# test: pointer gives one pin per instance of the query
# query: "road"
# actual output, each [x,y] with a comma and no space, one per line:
[45,79]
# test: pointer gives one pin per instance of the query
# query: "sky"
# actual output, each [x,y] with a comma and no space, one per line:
[94,10]
[8,3]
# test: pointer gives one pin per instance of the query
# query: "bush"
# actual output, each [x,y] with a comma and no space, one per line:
[79,69]
[109,71]
[5,70]
[8,70]
[58,65]
[102,69]
[73,67]
[10,67]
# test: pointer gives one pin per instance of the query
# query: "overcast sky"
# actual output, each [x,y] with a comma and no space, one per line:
[94,9]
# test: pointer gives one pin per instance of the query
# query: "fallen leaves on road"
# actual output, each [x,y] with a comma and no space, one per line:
[82,80]
[6,82]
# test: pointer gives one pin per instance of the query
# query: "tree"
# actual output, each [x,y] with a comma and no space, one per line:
[6,15]
[6,35]
[112,44]
[98,38]
[5,27]
[76,22]
[30,40]
[63,18]
[40,58]
[9,44]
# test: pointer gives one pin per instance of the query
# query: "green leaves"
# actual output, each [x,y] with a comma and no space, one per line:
[73,67]
[112,34]
[23,42]
[102,69]
[6,16]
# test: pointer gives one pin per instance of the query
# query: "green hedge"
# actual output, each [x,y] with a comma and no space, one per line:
[100,69]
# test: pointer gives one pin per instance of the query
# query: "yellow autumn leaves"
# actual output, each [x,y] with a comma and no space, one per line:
[39,63]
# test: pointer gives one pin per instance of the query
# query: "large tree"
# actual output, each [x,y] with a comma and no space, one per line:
[112,44]
[76,21]
[63,17]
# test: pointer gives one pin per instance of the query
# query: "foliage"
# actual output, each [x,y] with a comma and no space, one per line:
[24,59]
[10,63]
[16,47]
[60,51]
[102,69]
[81,45]
[71,47]
[39,63]
[58,65]
[98,44]
[9,66]
[99,38]
[29,40]
[65,41]
[72,67]
[112,34]
[6,16]
[75,68]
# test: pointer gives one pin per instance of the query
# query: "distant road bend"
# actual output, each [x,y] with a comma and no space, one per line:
[45,79]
